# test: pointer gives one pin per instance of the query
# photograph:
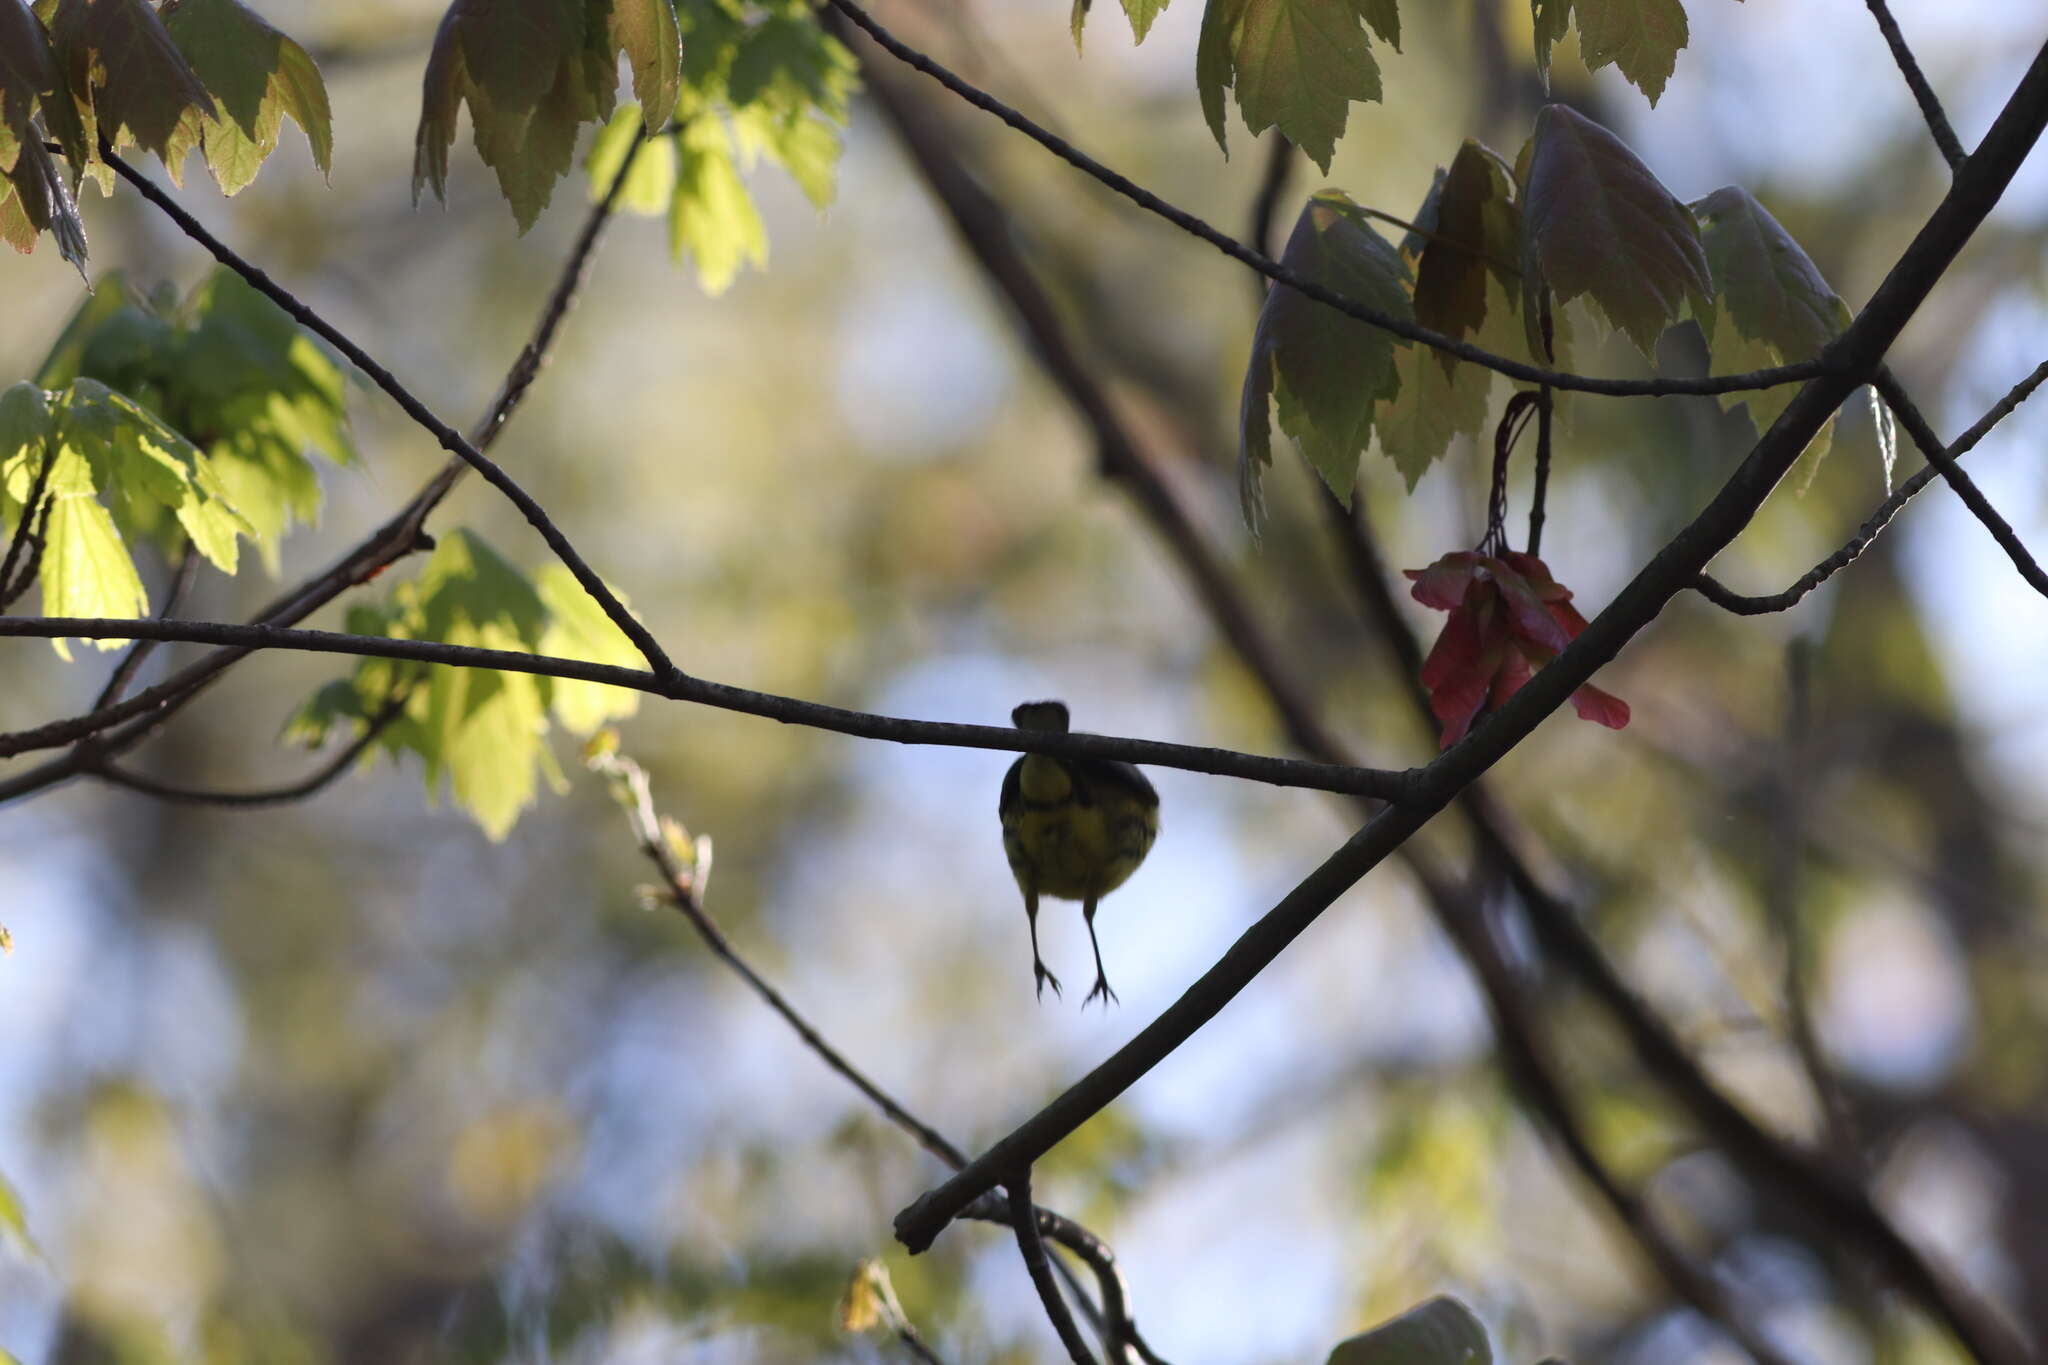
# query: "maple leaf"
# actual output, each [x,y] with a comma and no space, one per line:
[1509,618]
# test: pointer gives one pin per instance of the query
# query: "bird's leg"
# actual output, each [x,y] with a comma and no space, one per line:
[1101,986]
[1039,974]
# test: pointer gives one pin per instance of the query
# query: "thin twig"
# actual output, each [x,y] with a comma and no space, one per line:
[684,888]
[1916,81]
[1781,884]
[400,535]
[1023,1218]
[124,672]
[311,785]
[1229,246]
[451,440]
[1721,596]
[24,530]
[1915,423]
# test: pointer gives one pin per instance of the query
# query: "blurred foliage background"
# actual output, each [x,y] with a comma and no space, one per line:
[346,1081]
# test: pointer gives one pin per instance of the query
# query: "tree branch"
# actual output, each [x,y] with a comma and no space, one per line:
[451,440]
[124,672]
[24,533]
[1721,596]
[1386,784]
[1916,81]
[1229,246]
[1023,1217]
[311,785]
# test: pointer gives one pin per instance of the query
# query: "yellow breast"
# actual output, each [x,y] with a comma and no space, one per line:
[1076,840]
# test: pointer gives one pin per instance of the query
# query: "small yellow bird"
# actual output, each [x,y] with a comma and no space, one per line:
[1075,828]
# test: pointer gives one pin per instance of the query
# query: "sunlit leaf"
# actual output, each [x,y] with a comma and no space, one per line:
[258,76]
[86,569]
[651,184]
[126,72]
[646,31]
[1596,222]
[579,629]
[713,217]
[35,199]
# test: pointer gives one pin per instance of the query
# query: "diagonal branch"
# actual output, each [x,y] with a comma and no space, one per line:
[25,532]
[451,440]
[1721,596]
[1916,80]
[1976,189]
[984,229]
[1293,279]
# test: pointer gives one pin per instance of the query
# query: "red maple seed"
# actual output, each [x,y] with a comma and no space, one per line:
[1509,617]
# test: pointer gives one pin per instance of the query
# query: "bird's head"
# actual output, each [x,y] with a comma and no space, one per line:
[1041,715]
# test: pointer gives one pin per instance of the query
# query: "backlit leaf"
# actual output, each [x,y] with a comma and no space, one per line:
[646,31]
[86,569]
[713,217]
[126,72]
[1325,370]
[257,77]
[1640,37]
[1477,231]
[1596,222]
[1771,307]
[579,629]
[1298,65]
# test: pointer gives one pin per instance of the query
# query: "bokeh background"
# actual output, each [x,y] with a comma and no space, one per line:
[347,1081]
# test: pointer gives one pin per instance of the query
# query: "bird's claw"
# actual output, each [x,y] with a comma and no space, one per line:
[1044,979]
[1102,989]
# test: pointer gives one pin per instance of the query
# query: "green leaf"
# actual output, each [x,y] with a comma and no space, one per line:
[1441,1331]
[1435,403]
[25,427]
[39,201]
[521,67]
[646,31]
[651,185]
[1142,13]
[1640,37]
[1551,18]
[86,570]
[1771,307]
[1597,222]
[1325,370]
[257,76]
[1216,60]
[1298,65]
[28,78]
[1384,18]
[579,629]
[127,73]
[1476,231]
[713,217]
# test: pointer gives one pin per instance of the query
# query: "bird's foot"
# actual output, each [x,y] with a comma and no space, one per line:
[1102,989]
[1044,978]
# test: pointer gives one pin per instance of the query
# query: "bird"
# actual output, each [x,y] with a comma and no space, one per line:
[1075,828]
